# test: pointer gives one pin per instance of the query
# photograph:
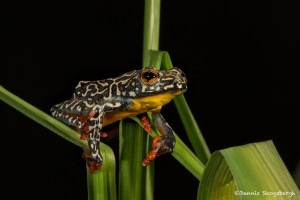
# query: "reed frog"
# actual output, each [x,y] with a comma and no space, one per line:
[96,104]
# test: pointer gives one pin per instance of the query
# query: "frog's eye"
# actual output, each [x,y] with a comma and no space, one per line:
[149,76]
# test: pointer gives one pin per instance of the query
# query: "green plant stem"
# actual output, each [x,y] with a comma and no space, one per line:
[132,175]
[134,142]
[151,29]
[150,42]
[193,131]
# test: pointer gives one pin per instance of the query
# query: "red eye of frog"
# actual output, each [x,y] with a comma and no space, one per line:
[149,76]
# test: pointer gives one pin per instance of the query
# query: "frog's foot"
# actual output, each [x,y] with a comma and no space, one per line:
[161,145]
[93,164]
[146,124]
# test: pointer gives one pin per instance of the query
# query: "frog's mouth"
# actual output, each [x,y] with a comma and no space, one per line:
[180,86]
[180,92]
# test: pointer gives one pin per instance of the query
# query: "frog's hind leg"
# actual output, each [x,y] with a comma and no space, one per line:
[163,144]
[74,113]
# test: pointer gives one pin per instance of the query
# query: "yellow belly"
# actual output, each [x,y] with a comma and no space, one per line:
[141,105]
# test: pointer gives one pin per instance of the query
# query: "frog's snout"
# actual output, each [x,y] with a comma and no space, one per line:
[180,81]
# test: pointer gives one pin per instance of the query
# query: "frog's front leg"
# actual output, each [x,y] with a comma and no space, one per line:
[86,118]
[92,155]
[163,144]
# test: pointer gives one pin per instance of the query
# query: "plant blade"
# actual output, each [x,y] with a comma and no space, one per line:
[247,171]
[41,117]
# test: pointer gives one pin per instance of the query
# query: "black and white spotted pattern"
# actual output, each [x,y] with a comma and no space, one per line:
[112,94]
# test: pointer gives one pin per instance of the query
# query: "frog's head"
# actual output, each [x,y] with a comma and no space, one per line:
[152,81]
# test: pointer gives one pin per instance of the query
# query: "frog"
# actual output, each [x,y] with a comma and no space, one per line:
[98,103]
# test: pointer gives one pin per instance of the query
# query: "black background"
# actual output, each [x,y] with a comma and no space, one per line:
[240,58]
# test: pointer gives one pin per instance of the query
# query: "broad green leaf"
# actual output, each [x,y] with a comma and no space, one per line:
[252,171]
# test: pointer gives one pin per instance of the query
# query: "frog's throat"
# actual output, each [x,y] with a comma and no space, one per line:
[140,105]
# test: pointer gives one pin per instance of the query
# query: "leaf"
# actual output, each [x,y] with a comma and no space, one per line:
[252,171]
[41,117]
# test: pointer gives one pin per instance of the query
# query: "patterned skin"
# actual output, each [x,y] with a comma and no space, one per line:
[95,104]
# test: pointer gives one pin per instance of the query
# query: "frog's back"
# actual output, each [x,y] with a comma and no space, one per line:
[107,88]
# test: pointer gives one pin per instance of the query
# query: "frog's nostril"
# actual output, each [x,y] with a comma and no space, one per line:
[178,84]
